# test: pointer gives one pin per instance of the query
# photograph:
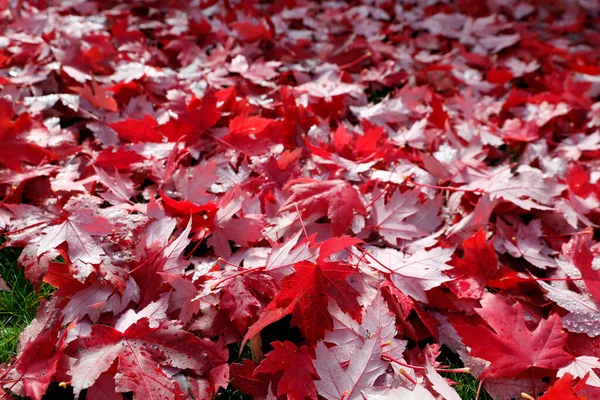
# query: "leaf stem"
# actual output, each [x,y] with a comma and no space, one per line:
[301,220]
[226,144]
[384,191]
[358,60]
[479,389]
[28,227]
[375,259]
[450,188]
[455,370]
[405,374]
[246,271]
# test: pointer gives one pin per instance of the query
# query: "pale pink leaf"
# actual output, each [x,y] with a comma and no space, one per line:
[414,274]
[364,368]
[581,366]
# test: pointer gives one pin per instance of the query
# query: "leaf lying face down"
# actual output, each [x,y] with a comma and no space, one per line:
[142,352]
[416,273]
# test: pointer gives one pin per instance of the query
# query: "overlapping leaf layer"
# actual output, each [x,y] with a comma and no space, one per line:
[341,187]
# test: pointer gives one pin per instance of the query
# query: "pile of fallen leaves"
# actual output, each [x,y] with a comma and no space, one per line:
[354,191]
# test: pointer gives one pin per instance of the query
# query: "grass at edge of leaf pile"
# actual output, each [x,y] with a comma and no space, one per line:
[466,384]
[17,307]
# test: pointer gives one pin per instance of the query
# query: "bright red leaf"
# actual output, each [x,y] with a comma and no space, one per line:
[562,389]
[337,200]
[135,131]
[512,348]
[478,264]
[296,365]
[97,96]
[305,295]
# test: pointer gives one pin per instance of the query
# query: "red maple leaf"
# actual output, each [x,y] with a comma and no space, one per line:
[15,147]
[157,263]
[579,250]
[242,230]
[563,389]
[76,229]
[250,32]
[245,125]
[511,347]
[97,96]
[141,350]
[239,304]
[38,361]
[305,295]
[121,159]
[199,116]
[478,264]
[244,380]
[335,199]
[296,365]
[135,130]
